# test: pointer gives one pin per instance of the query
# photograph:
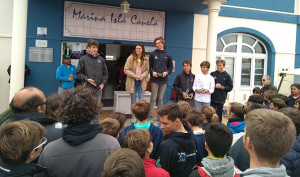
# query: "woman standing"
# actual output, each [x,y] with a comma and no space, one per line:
[137,69]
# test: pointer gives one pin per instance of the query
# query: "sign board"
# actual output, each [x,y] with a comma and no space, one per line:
[40,54]
[108,22]
[41,31]
[41,43]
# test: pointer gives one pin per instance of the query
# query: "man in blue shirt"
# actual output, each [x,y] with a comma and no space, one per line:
[66,74]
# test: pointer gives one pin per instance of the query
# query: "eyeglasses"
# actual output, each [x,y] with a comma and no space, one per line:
[45,102]
[263,80]
[44,142]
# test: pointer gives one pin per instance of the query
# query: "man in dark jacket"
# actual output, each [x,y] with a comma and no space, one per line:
[83,149]
[30,103]
[266,82]
[176,154]
[92,70]
[17,149]
[224,85]
[160,66]
[183,84]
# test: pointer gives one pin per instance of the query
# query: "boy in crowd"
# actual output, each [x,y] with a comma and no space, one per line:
[21,143]
[276,104]
[292,160]
[269,136]
[204,86]
[140,140]
[267,97]
[176,154]
[183,83]
[141,110]
[123,162]
[110,127]
[223,85]
[195,120]
[256,91]
[218,139]
[255,99]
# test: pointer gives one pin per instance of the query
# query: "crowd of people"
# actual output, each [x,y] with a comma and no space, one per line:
[63,136]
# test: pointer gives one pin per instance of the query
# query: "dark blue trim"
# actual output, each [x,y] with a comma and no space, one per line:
[277,5]
[268,43]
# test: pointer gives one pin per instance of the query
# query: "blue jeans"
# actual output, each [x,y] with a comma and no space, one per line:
[199,104]
[137,90]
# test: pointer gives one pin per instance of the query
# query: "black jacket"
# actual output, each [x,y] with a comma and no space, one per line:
[177,154]
[90,67]
[223,78]
[183,82]
[20,170]
[160,61]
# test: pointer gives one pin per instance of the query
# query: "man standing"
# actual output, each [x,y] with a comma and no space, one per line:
[224,85]
[266,82]
[176,154]
[92,69]
[160,67]
[66,74]
[269,135]
[183,83]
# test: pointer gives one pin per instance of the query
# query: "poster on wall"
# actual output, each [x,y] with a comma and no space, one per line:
[108,22]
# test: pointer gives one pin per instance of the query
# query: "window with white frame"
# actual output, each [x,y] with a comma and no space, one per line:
[245,56]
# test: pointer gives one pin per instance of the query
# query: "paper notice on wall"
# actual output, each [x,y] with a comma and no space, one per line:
[76,48]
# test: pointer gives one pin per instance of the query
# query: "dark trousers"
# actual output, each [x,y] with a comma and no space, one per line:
[219,108]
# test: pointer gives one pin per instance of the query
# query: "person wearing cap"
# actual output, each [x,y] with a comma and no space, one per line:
[66,74]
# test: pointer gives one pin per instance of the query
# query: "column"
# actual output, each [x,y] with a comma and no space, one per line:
[213,13]
[18,46]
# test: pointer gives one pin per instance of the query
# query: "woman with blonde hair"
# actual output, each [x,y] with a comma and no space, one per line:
[137,69]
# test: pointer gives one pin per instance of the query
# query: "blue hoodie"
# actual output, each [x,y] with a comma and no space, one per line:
[236,125]
[62,74]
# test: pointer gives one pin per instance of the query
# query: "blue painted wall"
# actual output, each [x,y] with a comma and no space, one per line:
[277,5]
[49,13]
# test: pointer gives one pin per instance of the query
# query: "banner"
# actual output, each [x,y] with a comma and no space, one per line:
[108,22]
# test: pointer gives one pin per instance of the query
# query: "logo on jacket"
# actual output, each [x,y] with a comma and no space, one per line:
[99,61]
[182,157]
[155,57]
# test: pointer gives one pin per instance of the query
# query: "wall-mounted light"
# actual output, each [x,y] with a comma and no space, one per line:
[125,6]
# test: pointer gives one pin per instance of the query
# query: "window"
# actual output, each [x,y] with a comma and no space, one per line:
[245,58]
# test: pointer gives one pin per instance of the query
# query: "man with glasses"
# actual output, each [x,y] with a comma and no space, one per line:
[30,103]
[266,82]
[66,74]
[161,66]
[17,149]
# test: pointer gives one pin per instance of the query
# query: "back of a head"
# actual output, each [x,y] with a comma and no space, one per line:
[121,118]
[79,107]
[271,133]
[18,139]
[209,113]
[171,110]
[255,106]
[195,118]
[238,110]
[283,97]
[257,90]
[141,109]
[185,108]
[218,138]
[294,115]
[278,103]
[27,100]
[269,93]
[123,163]
[138,140]
[256,99]
[53,104]
[110,127]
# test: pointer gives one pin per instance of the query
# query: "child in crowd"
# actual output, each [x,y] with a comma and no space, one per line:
[235,114]
[280,96]
[123,162]
[255,99]
[140,140]
[209,115]
[256,91]
[295,89]
[141,110]
[121,118]
[297,104]
[185,108]
[267,97]
[218,139]
[21,143]
[277,104]
[204,86]
[110,127]
[195,120]
[291,161]
[53,103]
